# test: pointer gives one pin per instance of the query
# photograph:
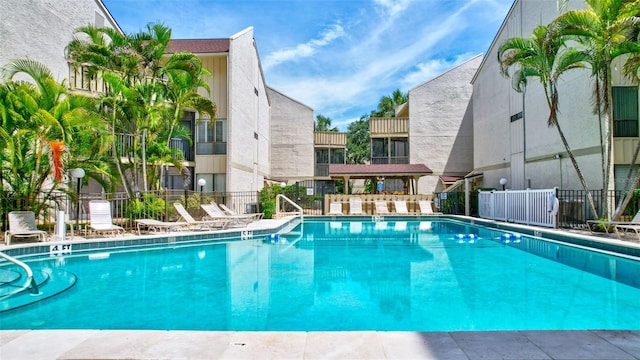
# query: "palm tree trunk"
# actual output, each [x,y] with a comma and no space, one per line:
[592,204]
[624,201]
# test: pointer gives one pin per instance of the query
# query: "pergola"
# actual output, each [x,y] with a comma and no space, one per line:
[409,173]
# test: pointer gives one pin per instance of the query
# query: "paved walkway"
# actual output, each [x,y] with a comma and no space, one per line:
[492,345]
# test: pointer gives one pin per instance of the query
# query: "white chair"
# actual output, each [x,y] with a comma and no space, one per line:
[426,208]
[335,208]
[381,207]
[401,207]
[23,224]
[100,219]
[215,213]
[355,206]
[202,224]
[160,226]
[229,211]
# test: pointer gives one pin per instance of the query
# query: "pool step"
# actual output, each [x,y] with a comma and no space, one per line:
[50,283]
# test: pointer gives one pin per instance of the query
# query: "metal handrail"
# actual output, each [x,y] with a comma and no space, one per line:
[280,196]
[31,282]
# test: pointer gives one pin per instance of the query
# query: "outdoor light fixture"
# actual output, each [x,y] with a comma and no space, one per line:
[202,183]
[78,174]
[503,182]
[283,184]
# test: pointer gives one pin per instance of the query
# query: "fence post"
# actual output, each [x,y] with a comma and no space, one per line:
[528,206]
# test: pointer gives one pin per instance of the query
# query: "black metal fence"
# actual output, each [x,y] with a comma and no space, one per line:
[145,205]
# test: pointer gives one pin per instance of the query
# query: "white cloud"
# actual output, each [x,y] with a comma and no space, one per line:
[428,70]
[393,7]
[304,50]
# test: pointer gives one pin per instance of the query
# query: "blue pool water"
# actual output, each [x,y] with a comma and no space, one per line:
[440,275]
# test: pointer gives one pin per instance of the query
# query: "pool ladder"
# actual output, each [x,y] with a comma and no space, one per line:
[284,198]
[30,283]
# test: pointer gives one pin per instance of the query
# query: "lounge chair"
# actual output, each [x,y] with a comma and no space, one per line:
[381,207]
[213,224]
[335,208]
[153,225]
[215,213]
[100,220]
[401,207]
[355,206]
[613,225]
[426,208]
[229,211]
[23,224]
[623,227]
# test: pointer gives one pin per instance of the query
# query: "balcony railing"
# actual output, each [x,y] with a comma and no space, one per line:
[183,146]
[390,160]
[330,138]
[395,126]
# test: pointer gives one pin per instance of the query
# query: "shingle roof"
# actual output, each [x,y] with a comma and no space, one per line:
[388,170]
[199,46]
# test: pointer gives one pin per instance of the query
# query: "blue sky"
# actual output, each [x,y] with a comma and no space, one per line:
[338,57]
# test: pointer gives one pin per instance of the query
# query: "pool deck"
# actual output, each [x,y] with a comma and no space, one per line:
[152,344]
[490,345]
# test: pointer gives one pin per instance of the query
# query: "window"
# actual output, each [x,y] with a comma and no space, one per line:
[214,182]
[212,140]
[625,111]
[337,156]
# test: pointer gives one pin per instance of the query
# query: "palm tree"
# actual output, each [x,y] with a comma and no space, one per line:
[545,57]
[323,123]
[41,122]
[605,29]
[388,104]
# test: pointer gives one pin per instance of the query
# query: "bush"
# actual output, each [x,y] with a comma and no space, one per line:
[149,207]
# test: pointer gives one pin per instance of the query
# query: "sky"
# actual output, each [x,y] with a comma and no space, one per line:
[338,57]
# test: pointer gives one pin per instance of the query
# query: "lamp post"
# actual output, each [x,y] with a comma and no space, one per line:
[503,182]
[78,174]
[202,182]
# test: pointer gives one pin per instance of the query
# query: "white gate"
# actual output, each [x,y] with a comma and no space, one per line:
[531,207]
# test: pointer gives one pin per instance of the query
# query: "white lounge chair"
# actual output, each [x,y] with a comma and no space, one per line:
[160,226]
[381,207]
[215,213]
[229,211]
[401,207]
[100,219]
[23,224]
[614,225]
[355,206]
[426,208]
[335,208]
[213,224]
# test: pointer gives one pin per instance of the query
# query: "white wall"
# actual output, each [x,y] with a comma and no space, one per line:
[41,29]
[292,127]
[499,143]
[248,158]
[440,125]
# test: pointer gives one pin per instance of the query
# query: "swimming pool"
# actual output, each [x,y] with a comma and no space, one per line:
[439,275]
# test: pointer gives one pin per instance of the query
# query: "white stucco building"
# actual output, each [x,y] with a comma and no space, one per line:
[441,126]
[511,136]
[292,140]
[41,29]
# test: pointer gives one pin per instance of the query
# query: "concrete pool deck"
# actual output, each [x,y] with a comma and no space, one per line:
[152,344]
[489,345]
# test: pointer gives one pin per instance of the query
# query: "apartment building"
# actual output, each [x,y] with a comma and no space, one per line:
[40,30]
[511,136]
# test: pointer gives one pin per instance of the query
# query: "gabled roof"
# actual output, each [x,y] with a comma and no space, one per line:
[387,170]
[199,46]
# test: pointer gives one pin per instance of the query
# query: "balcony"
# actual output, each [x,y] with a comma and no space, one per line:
[330,139]
[389,127]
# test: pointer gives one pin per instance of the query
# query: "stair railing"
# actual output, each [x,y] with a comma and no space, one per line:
[278,213]
[30,283]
